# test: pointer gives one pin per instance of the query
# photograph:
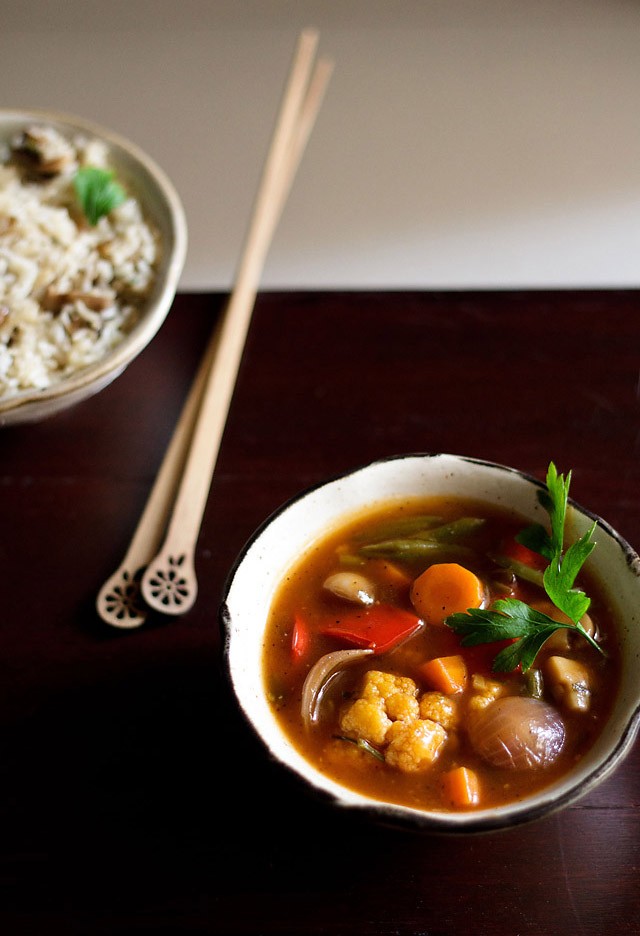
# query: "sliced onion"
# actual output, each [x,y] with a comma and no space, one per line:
[518,732]
[318,679]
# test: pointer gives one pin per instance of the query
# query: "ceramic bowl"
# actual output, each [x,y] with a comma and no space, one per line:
[278,543]
[162,206]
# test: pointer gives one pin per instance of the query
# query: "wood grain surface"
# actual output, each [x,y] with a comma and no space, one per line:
[132,797]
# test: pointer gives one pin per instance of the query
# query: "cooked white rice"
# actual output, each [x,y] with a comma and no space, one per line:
[69,292]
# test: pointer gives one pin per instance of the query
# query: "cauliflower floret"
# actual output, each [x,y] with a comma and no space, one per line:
[439,708]
[380,685]
[485,691]
[385,699]
[397,694]
[367,719]
[414,745]
[401,706]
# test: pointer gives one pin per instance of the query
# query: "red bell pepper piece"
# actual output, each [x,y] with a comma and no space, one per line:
[300,639]
[522,554]
[378,627]
[479,659]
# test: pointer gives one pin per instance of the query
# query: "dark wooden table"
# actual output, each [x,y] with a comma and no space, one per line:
[132,798]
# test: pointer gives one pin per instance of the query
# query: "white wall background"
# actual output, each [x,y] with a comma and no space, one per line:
[462,143]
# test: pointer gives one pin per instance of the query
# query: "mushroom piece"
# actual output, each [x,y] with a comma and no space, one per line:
[562,640]
[44,150]
[570,683]
[96,301]
[352,587]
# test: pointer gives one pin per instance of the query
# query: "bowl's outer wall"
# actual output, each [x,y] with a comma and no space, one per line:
[285,536]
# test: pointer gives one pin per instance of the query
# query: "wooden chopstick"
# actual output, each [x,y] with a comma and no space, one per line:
[182,485]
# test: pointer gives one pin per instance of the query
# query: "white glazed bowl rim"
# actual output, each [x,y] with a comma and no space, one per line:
[243,670]
[161,203]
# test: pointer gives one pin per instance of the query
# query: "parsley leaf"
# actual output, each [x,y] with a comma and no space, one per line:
[561,573]
[510,619]
[554,500]
[98,192]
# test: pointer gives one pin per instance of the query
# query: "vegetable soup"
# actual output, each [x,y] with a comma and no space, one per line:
[421,654]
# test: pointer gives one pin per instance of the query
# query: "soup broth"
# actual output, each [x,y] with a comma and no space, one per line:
[408,722]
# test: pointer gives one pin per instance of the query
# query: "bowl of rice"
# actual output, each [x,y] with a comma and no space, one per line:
[93,240]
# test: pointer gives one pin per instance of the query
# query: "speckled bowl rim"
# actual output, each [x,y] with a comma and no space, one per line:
[547,802]
[165,209]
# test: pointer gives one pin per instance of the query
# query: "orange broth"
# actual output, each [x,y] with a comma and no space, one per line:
[302,594]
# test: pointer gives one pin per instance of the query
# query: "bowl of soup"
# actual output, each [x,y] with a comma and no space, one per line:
[438,642]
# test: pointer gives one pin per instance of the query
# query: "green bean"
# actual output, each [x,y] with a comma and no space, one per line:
[402,526]
[425,542]
[350,561]
[519,569]
[534,684]
[413,549]
[456,529]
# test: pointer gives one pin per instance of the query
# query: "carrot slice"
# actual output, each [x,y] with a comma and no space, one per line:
[443,589]
[446,674]
[461,787]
